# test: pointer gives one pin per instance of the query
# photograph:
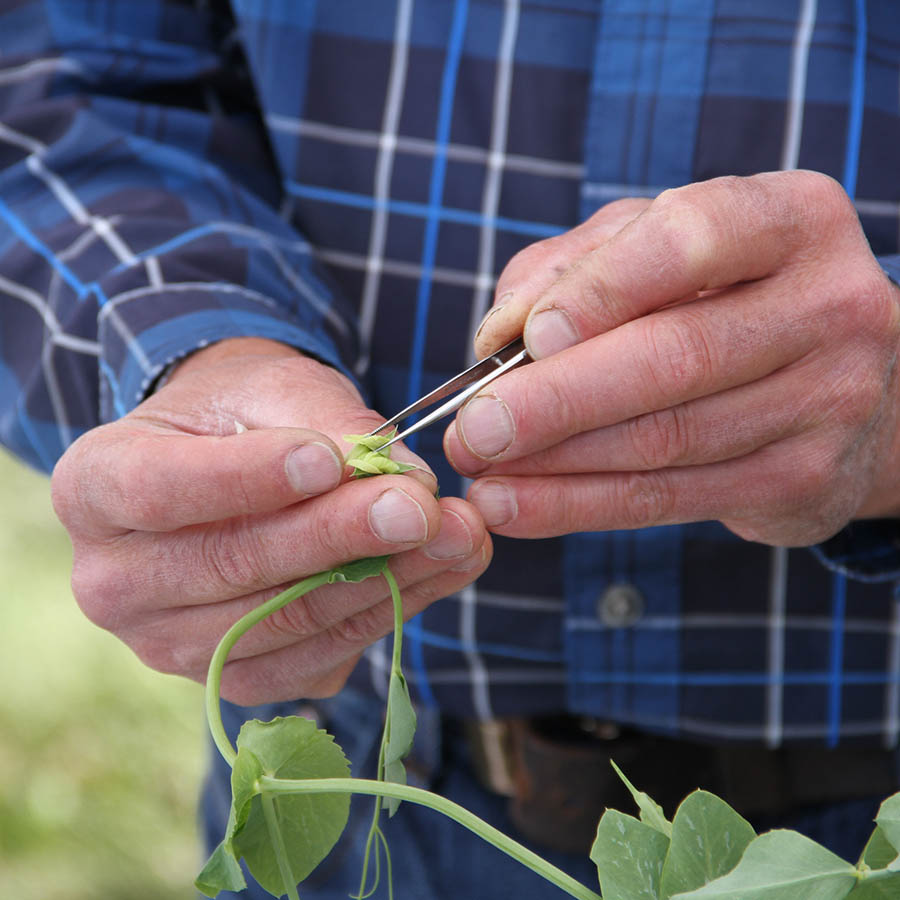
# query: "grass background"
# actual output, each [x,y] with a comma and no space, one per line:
[100,758]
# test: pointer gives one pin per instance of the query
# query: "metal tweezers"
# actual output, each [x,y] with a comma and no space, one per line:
[472,379]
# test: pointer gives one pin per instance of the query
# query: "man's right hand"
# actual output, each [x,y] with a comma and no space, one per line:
[180,524]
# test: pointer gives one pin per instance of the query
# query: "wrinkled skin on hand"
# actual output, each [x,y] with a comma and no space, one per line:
[180,524]
[727,351]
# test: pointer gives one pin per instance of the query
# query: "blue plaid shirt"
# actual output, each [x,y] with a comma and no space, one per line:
[349,177]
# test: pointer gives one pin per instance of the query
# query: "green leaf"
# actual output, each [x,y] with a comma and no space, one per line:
[629,856]
[363,443]
[310,823]
[782,865]
[708,840]
[651,812]
[368,457]
[359,570]
[879,852]
[888,820]
[375,464]
[222,871]
[400,731]
[879,862]
[244,787]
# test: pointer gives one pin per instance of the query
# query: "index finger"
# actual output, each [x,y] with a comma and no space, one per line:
[691,239]
[651,363]
[533,270]
[122,478]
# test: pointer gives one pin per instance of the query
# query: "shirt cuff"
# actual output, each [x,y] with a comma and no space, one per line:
[141,338]
[891,267]
[865,550]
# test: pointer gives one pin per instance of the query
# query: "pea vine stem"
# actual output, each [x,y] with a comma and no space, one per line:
[375,835]
[440,804]
[277,838]
[270,787]
[398,620]
[217,663]
[875,874]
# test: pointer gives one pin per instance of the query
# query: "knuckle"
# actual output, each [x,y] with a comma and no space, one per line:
[99,590]
[645,498]
[820,199]
[241,489]
[660,439]
[685,228]
[127,486]
[811,486]
[296,620]
[860,377]
[873,303]
[232,556]
[858,399]
[362,628]
[80,482]
[331,535]
[62,489]
[555,398]
[549,252]
[681,358]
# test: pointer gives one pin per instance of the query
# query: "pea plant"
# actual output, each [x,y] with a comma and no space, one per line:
[291,787]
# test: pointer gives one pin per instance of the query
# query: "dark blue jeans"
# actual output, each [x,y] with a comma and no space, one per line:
[434,858]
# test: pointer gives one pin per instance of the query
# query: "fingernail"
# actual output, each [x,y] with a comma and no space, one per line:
[495,501]
[397,518]
[549,332]
[493,311]
[313,469]
[486,426]
[454,540]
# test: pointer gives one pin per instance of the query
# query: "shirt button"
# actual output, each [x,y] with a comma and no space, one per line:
[620,605]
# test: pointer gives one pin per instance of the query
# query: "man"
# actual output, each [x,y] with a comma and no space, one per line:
[284,217]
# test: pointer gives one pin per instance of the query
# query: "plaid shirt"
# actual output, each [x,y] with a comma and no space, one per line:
[350,176]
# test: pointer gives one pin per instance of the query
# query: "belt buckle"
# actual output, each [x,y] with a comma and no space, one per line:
[491,749]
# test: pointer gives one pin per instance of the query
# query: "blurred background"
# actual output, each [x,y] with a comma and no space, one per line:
[101,759]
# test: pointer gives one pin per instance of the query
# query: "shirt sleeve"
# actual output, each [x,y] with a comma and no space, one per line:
[138,215]
[891,266]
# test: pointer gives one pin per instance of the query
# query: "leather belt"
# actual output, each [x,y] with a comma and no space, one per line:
[557,774]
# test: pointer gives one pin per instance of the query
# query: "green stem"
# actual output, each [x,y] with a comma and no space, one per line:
[875,875]
[277,838]
[374,830]
[372,838]
[388,863]
[398,619]
[442,805]
[217,663]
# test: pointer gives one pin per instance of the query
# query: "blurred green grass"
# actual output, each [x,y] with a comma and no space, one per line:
[100,758]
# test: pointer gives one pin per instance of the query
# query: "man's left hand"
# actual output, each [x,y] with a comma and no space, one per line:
[726,351]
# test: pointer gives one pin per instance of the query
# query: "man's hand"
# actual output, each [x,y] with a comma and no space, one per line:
[180,524]
[727,351]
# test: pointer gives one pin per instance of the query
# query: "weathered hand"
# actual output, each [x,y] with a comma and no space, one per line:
[180,525]
[729,353]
